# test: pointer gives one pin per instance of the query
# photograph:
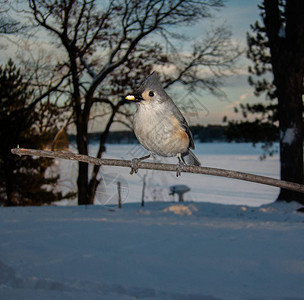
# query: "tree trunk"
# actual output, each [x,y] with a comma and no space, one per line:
[83,168]
[94,182]
[287,58]
[81,122]
[8,170]
[291,132]
[82,183]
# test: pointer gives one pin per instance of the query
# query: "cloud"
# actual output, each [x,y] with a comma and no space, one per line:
[245,96]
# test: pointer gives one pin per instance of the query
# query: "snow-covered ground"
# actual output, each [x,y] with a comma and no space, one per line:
[248,247]
[162,251]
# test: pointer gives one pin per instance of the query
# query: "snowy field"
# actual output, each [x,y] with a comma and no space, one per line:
[245,248]
[162,251]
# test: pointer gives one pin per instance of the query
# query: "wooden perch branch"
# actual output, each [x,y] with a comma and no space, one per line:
[163,167]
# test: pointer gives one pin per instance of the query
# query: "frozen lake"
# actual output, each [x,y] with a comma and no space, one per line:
[234,156]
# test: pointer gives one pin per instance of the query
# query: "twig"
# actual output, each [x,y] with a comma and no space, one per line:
[163,167]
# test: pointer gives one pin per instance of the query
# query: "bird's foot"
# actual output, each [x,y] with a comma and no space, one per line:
[134,165]
[179,168]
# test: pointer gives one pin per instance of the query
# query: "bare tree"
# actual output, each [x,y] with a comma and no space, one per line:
[110,48]
[8,24]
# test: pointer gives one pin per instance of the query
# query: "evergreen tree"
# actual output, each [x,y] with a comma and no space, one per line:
[277,48]
[22,179]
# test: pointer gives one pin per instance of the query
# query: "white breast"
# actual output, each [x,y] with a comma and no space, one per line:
[157,130]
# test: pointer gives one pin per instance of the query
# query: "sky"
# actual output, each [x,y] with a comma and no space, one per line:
[238,15]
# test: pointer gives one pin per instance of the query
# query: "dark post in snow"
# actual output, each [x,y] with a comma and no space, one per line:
[119,194]
[143,191]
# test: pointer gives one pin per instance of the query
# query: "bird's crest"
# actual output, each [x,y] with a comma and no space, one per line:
[151,82]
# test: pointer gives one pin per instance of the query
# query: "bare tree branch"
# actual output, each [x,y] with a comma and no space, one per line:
[162,167]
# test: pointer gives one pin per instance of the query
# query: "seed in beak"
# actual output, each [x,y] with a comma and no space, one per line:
[130,98]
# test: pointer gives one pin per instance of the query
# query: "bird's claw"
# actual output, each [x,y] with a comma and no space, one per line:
[134,165]
[179,168]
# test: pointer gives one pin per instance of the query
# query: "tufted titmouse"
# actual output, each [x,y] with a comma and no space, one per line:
[159,125]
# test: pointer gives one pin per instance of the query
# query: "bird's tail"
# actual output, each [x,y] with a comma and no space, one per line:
[190,159]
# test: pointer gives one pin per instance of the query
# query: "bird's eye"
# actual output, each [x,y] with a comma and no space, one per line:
[151,94]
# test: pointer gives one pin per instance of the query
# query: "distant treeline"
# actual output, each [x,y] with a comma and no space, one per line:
[204,134]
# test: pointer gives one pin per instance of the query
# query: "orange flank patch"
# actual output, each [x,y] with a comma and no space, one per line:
[183,136]
[180,134]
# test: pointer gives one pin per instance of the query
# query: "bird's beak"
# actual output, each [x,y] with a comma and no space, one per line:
[135,98]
